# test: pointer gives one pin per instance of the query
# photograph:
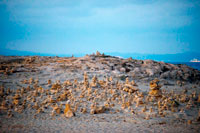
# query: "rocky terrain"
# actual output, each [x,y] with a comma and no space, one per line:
[97,93]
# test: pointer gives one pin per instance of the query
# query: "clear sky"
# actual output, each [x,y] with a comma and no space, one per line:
[84,26]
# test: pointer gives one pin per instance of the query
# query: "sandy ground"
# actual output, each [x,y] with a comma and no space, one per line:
[133,109]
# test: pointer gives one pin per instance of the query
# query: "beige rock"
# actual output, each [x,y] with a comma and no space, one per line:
[68,83]
[9,113]
[57,109]
[85,80]
[198,117]
[68,111]
[144,109]
[49,82]
[92,111]
[40,110]
[155,88]
[16,102]
[94,81]
[83,110]
[199,98]
[17,96]
[129,88]
[189,122]
[110,78]
[98,110]
[3,107]
[156,93]
[31,81]
[98,53]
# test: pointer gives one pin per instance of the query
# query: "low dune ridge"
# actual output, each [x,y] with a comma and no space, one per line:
[97,93]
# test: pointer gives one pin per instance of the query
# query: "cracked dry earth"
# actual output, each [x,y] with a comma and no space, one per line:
[97,93]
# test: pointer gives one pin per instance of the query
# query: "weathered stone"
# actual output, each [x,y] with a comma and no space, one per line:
[155,88]
[68,111]
[98,110]
[199,98]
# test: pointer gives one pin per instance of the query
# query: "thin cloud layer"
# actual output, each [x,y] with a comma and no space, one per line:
[101,23]
[79,13]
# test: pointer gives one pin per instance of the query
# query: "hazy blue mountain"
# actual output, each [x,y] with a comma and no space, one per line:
[181,57]
[8,52]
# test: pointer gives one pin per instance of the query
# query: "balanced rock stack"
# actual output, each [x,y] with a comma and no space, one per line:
[86,82]
[94,81]
[98,53]
[3,106]
[2,91]
[68,111]
[199,98]
[129,86]
[155,88]
[16,99]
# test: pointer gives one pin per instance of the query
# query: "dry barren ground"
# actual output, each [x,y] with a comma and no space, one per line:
[97,93]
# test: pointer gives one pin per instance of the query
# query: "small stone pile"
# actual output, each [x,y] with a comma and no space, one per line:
[129,86]
[94,81]
[155,89]
[85,80]
[98,53]
[68,111]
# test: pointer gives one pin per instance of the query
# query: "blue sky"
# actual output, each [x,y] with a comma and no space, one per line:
[84,26]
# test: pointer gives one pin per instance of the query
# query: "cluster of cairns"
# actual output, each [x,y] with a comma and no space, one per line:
[99,62]
[10,65]
[94,97]
[6,70]
[98,54]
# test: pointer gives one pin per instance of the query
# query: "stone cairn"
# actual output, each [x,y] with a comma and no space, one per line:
[155,89]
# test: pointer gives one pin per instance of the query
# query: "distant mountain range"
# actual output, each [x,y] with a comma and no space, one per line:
[8,52]
[180,57]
